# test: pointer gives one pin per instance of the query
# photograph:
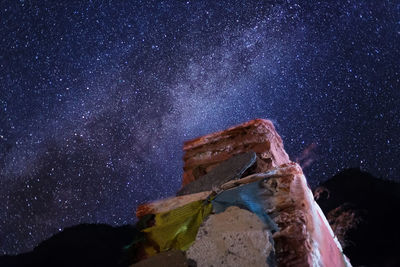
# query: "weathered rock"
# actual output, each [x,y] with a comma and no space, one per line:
[206,152]
[302,237]
[230,169]
[305,237]
[235,237]
[174,258]
[274,193]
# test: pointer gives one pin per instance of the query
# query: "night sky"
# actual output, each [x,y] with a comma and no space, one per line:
[97,98]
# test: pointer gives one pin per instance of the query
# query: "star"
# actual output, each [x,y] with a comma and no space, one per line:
[96,99]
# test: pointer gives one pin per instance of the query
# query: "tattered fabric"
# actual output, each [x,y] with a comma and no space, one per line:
[176,229]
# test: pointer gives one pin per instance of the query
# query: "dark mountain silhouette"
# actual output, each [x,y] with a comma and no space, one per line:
[361,209]
[81,245]
[363,212]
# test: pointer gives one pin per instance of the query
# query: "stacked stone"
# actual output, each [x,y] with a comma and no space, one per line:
[255,205]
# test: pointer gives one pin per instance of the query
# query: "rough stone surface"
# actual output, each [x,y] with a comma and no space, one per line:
[235,237]
[301,235]
[232,168]
[206,152]
[305,237]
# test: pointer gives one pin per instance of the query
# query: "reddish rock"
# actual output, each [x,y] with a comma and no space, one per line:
[204,153]
[304,237]
[275,190]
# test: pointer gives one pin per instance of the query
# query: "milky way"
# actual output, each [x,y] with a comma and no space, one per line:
[97,98]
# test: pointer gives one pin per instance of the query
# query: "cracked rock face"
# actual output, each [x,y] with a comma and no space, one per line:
[268,217]
[235,237]
[204,153]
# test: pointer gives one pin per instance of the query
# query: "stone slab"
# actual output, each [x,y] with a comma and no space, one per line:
[230,169]
[235,237]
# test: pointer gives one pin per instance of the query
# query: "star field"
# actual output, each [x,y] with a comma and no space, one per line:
[97,97]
